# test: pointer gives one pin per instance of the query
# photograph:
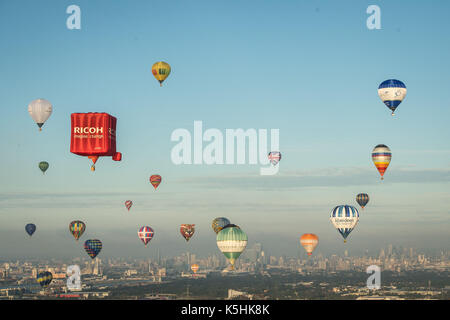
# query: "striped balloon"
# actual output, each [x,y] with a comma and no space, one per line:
[93,247]
[381,157]
[344,218]
[77,228]
[145,234]
[362,199]
[274,157]
[155,180]
[392,92]
[309,241]
[232,241]
[128,204]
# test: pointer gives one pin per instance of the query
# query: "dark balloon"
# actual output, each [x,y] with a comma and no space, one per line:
[44,278]
[30,228]
[362,199]
[93,247]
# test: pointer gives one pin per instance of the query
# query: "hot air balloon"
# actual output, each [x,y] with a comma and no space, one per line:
[93,247]
[128,204]
[344,218]
[194,267]
[43,165]
[309,241]
[219,223]
[44,278]
[161,71]
[94,135]
[362,199]
[40,110]
[187,230]
[30,228]
[155,180]
[274,157]
[77,228]
[232,241]
[392,92]
[381,157]
[145,234]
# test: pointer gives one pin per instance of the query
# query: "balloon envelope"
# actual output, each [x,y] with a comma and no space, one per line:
[392,92]
[145,234]
[274,157]
[161,71]
[231,240]
[219,223]
[93,247]
[187,231]
[40,110]
[362,199]
[128,204]
[44,278]
[155,180]
[43,165]
[194,267]
[77,228]
[94,135]
[309,241]
[344,218]
[381,157]
[30,228]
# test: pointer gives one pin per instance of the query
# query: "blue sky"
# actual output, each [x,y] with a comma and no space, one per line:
[308,68]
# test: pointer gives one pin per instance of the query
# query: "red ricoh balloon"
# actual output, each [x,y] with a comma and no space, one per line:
[93,135]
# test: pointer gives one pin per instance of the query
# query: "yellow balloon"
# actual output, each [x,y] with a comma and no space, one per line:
[161,71]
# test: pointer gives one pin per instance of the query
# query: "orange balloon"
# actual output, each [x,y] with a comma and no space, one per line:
[194,267]
[309,241]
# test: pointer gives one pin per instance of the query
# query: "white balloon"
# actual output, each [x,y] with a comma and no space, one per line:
[40,110]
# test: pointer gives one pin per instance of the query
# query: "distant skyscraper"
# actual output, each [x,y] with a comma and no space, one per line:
[390,249]
[95,269]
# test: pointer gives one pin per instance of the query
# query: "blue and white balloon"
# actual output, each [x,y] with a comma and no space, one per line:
[344,218]
[392,92]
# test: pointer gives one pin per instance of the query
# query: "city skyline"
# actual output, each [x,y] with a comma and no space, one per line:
[406,273]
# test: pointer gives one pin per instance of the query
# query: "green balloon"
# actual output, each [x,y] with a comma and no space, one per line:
[43,165]
[232,241]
